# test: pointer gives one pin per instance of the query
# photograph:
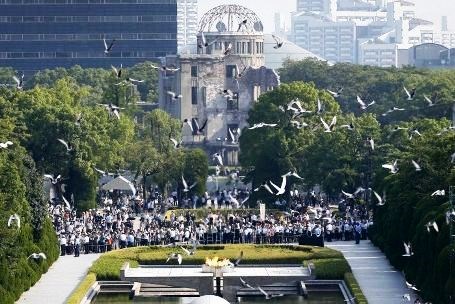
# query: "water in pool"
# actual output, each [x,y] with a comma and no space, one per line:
[314,298]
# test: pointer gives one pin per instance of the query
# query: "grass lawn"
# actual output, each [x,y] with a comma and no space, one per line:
[329,263]
[108,265]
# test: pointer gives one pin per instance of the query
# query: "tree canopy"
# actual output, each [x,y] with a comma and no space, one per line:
[420,138]
[61,123]
[383,85]
[330,159]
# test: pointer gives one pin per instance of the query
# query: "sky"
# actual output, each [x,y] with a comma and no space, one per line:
[431,10]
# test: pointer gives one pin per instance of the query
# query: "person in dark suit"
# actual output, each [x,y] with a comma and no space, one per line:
[357,232]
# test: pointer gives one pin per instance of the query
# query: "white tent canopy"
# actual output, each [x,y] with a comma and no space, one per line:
[120,183]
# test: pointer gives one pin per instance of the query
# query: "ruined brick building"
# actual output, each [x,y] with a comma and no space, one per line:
[219,79]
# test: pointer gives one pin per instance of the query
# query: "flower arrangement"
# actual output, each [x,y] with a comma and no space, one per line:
[217,262]
[217,266]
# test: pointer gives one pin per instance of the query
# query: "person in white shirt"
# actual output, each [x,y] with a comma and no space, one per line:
[328,231]
[122,240]
[187,235]
[85,242]
[62,244]
[317,231]
[130,239]
[172,235]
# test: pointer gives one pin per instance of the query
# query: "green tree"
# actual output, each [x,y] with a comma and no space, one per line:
[268,153]
[410,206]
[383,85]
[153,156]
[342,159]
[18,183]
[50,114]
[196,170]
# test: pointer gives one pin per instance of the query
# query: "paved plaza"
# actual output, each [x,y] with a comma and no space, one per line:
[185,271]
[380,282]
[57,284]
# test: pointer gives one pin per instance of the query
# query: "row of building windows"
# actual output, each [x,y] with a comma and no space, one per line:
[238,48]
[381,53]
[326,35]
[361,18]
[378,60]
[15,2]
[91,54]
[66,37]
[98,19]
[332,28]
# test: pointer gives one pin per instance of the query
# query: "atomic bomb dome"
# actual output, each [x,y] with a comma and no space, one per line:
[234,28]
[230,18]
[220,82]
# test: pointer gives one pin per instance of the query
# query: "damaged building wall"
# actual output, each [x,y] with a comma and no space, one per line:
[202,77]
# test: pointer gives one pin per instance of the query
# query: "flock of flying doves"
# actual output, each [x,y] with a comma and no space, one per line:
[295,107]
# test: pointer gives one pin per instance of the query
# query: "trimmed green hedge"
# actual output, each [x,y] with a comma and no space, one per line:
[17,273]
[108,265]
[329,263]
[331,268]
[428,268]
[354,288]
[338,269]
[21,193]
[108,269]
[82,289]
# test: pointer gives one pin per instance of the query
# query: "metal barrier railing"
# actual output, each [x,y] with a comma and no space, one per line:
[206,238]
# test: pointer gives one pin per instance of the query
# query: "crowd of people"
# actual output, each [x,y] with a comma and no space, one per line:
[124,221]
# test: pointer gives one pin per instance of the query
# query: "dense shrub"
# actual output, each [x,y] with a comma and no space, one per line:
[329,263]
[409,208]
[19,182]
[107,267]
[17,273]
[331,269]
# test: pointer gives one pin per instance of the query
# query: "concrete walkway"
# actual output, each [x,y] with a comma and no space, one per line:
[380,282]
[57,284]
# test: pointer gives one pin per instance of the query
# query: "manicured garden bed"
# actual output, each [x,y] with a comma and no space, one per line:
[329,263]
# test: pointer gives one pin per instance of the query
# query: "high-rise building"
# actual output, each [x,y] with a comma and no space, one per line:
[326,7]
[379,32]
[43,34]
[331,40]
[444,24]
[186,23]
[277,21]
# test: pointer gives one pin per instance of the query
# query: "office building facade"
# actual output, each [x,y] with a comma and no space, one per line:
[186,23]
[326,7]
[41,34]
[331,40]
[379,32]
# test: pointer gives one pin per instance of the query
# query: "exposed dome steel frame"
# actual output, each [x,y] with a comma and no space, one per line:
[230,16]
